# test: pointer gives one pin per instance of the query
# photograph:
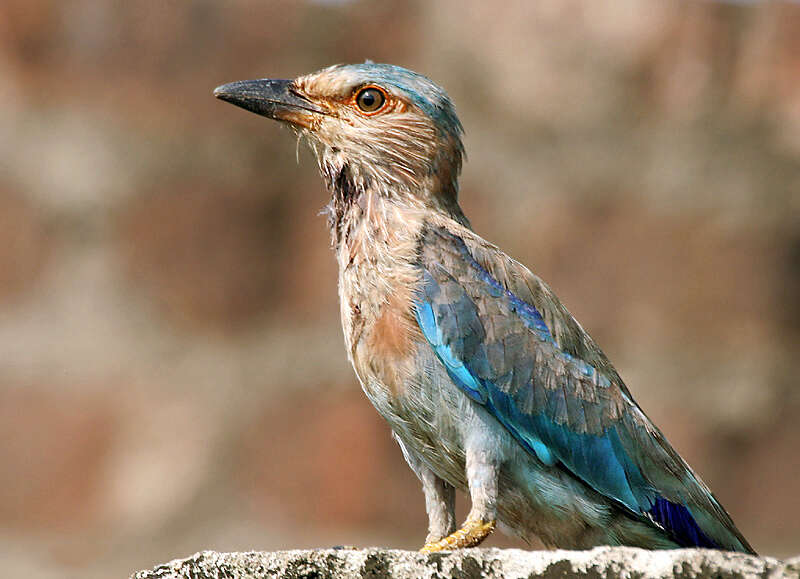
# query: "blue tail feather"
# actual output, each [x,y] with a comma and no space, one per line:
[678,521]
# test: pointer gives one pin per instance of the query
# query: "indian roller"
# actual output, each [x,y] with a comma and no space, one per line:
[489,384]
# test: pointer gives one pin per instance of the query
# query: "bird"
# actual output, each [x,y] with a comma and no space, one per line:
[489,384]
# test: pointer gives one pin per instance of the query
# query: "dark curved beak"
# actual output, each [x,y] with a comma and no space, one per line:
[275,99]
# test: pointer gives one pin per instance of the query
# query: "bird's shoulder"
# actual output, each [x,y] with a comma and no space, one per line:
[449,246]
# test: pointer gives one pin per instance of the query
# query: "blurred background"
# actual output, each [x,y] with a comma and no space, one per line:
[172,372]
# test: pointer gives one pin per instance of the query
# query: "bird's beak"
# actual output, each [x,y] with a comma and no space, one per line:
[276,99]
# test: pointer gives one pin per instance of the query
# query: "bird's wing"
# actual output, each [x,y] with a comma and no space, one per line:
[510,345]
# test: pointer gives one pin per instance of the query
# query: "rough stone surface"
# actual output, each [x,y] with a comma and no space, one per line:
[601,562]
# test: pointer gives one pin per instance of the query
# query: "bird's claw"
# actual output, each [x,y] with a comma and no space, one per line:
[470,535]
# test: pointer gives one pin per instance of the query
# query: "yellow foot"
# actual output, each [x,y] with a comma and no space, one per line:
[470,535]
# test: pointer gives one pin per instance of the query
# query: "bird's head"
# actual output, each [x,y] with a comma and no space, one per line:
[374,127]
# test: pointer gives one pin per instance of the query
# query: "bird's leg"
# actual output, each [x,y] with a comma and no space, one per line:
[440,497]
[440,502]
[482,474]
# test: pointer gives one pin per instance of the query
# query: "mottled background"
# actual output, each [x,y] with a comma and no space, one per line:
[172,374]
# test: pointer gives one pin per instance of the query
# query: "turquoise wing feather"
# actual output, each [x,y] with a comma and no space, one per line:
[512,347]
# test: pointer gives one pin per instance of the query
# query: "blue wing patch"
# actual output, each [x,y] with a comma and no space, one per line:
[448,323]
[455,368]
[550,442]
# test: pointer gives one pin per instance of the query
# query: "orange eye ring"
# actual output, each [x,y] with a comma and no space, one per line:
[371,99]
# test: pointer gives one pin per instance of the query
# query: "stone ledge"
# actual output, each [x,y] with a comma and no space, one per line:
[601,562]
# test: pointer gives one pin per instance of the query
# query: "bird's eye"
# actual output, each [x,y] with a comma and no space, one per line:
[370,99]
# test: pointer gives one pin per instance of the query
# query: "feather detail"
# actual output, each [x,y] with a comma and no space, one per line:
[570,412]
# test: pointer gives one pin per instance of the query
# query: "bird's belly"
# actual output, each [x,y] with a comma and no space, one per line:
[427,415]
[432,418]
